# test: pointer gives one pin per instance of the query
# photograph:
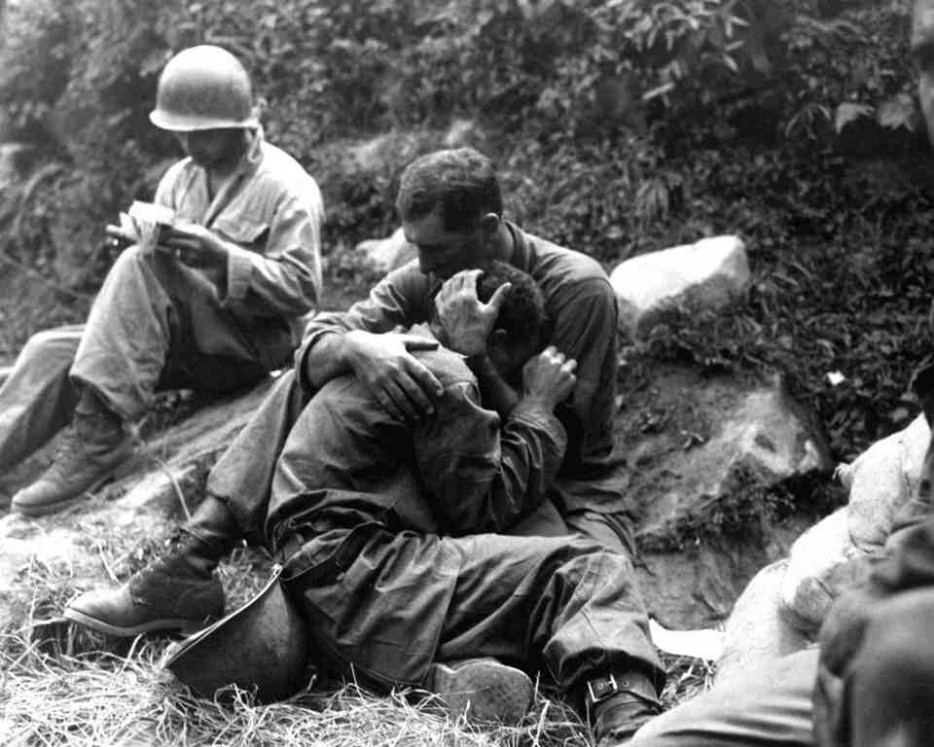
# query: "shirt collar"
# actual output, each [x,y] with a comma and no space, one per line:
[251,159]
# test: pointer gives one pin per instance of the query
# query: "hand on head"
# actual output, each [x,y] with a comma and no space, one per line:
[466,320]
[402,385]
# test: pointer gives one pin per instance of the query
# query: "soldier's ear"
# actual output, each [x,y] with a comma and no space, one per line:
[489,226]
[498,340]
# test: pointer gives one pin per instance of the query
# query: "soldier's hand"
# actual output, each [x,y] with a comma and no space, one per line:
[548,377]
[467,321]
[401,384]
[193,245]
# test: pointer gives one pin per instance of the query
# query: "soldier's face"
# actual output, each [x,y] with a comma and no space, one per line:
[443,253]
[922,50]
[211,148]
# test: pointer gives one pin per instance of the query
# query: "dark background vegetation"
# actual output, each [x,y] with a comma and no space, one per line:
[620,127]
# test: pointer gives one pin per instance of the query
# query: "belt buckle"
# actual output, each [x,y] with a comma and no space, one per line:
[601,688]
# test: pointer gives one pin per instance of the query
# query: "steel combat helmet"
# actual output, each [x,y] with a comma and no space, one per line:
[203,88]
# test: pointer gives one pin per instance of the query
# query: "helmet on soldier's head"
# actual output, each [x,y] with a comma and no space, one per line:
[203,88]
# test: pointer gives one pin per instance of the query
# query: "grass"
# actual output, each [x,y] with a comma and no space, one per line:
[71,687]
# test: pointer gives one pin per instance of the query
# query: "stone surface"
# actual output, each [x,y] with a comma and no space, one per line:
[787,602]
[702,453]
[783,608]
[387,254]
[710,274]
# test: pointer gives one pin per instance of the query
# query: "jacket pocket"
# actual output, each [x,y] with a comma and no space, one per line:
[242,231]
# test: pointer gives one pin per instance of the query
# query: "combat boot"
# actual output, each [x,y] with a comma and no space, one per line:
[484,690]
[178,592]
[618,706]
[92,449]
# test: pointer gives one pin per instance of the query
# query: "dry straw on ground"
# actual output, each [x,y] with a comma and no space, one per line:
[62,688]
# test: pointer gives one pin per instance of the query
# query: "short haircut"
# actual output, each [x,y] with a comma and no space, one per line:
[462,182]
[522,314]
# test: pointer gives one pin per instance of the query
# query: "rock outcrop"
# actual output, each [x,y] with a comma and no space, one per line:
[710,274]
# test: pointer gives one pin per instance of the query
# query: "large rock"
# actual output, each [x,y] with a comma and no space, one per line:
[711,274]
[387,254]
[783,608]
[706,457]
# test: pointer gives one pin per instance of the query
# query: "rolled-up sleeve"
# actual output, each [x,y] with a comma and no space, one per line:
[482,477]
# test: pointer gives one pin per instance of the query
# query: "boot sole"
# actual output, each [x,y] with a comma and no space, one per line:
[484,690]
[180,625]
[43,509]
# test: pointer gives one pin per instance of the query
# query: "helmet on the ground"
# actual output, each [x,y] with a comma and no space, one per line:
[260,647]
[203,88]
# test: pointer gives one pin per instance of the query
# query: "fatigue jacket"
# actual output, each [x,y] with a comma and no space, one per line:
[458,471]
[272,211]
[581,307]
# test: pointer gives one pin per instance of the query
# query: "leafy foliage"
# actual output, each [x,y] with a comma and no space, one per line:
[620,126]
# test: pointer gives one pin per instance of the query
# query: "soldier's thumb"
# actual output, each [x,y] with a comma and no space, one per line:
[499,297]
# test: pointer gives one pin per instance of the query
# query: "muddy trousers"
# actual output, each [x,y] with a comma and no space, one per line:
[385,605]
[155,324]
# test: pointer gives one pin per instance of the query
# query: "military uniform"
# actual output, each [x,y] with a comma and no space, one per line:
[158,323]
[369,514]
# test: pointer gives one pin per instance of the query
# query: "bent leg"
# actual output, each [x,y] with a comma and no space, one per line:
[390,604]
[763,707]
[610,530]
[242,477]
[37,399]
[561,603]
[157,320]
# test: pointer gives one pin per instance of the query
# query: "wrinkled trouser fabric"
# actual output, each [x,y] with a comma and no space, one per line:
[390,603]
[37,398]
[766,706]
[154,324]
[243,476]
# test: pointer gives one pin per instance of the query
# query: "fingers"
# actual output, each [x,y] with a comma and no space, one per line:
[408,394]
[466,280]
[414,342]
[428,385]
[463,282]
[499,297]
[395,401]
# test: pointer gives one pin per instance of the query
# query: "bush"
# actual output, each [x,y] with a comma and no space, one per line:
[620,127]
